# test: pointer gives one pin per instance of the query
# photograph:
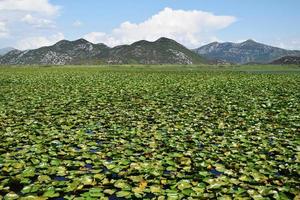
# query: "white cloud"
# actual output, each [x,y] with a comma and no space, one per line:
[38,6]
[27,19]
[291,43]
[77,23]
[38,22]
[36,42]
[191,28]
[100,37]
[3,30]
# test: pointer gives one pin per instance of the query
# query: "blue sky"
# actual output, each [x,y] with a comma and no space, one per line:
[26,24]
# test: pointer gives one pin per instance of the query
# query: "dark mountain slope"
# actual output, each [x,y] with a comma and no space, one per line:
[287,60]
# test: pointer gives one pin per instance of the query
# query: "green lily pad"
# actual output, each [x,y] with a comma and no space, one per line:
[73,186]
[122,185]
[44,178]
[11,196]
[155,189]
[259,177]
[29,172]
[95,192]
[187,192]
[99,176]
[109,191]
[26,189]
[87,180]
[126,194]
[184,184]
[51,193]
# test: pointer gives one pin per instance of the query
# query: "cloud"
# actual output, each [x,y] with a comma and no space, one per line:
[100,37]
[39,41]
[38,6]
[192,28]
[3,30]
[77,23]
[291,43]
[38,22]
[27,21]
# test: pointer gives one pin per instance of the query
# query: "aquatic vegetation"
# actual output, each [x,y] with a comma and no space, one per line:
[98,133]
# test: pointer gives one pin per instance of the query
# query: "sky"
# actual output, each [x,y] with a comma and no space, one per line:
[29,24]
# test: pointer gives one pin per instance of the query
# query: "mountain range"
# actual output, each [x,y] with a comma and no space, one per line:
[161,51]
[245,52]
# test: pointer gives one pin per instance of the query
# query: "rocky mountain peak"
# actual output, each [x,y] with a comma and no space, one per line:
[165,40]
[82,41]
[249,41]
[62,43]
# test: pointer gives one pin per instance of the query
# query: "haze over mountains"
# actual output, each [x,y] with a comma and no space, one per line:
[5,50]
[161,51]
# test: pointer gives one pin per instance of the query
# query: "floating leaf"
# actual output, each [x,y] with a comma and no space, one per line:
[126,194]
[109,191]
[95,192]
[44,178]
[122,185]
[87,180]
[11,196]
[51,193]
[29,172]
[155,189]
[184,184]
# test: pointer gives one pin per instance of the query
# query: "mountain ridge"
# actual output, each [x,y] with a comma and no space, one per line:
[81,51]
[248,51]
[160,51]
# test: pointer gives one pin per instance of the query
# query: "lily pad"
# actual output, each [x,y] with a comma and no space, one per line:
[126,194]
[51,193]
[184,184]
[122,185]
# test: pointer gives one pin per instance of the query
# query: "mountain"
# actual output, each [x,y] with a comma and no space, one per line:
[162,51]
[5,50]
[61,53]
[245,52]
[287,60]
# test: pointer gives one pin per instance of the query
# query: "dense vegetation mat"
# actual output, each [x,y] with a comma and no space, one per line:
[75,133]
